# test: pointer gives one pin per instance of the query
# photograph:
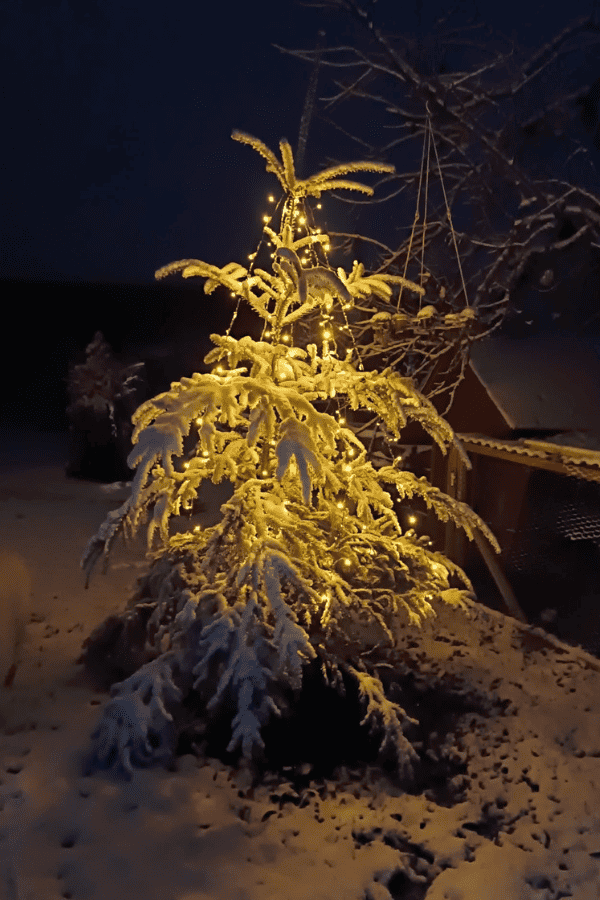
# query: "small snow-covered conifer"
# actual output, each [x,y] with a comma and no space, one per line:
[309,559]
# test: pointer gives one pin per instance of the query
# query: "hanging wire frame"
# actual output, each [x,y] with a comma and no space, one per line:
[431,347]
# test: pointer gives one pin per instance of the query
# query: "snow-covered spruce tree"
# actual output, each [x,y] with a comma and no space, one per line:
[309,559]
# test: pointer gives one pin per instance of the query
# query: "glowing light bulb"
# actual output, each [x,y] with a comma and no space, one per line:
[412,520]
[285,337]
[340,505]
[205,453]
[327,334]
[266,219]
[271,198]
[342,420]
[265,472]
[347,562]
[199,420]
[302,220]
[318,206]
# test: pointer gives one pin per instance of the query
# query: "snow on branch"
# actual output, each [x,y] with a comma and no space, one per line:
[308,560]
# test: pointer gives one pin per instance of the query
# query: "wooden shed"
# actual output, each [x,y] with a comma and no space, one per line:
[528,416]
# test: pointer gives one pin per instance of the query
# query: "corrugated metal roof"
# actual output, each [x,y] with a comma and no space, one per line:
[547,382]
[581,463]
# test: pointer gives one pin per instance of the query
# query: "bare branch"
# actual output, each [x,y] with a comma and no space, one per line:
[511,216]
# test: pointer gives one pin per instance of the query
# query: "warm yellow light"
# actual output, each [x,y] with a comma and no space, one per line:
[205,453]
[271,198]
[266,219]
[347,468]
[351,451]
[347,562]
[302,220]
[327,334]
[186,465]
[412,520]
[199,420]
[285,337]
[265,472]
[318,206]
[342,420]
[340,504]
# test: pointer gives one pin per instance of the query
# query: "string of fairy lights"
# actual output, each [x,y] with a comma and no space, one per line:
[296,216]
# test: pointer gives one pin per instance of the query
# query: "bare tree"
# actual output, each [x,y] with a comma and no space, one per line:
[485,143]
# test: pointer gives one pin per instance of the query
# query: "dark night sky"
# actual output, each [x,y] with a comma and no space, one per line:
[117,158]
[117,155]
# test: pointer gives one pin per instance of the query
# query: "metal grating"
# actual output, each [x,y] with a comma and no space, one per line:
[556,508]
[554,561]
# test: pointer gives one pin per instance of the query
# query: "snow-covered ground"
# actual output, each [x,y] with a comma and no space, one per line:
[513,811]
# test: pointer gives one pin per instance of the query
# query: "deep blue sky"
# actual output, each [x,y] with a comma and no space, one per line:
[116,153]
